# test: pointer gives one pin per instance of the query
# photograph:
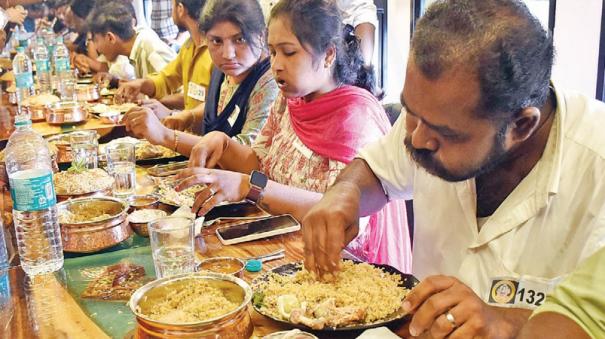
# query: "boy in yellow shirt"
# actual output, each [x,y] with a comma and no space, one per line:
[191,69]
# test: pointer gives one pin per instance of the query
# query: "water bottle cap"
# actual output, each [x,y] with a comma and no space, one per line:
[20,49]
[254,265]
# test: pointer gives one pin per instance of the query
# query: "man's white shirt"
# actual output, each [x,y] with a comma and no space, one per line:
[553,219]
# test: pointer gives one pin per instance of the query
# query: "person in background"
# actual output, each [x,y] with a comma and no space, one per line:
[35,13]
[84,54]
[241,89]
[505,169]
[162,20]
[576,308]
[191,69]
[323,116]
[360,14]
[113,31]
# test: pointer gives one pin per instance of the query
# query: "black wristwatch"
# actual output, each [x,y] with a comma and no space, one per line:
[258,182]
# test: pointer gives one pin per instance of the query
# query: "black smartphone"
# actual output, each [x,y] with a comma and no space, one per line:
[257,229]
[236,210]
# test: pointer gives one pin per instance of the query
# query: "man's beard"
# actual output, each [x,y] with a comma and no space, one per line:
[425,159]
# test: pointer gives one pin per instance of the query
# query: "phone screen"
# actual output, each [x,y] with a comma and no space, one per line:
[257,227]
[236,210]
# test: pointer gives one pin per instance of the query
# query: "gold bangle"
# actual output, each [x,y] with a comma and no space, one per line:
[176,141]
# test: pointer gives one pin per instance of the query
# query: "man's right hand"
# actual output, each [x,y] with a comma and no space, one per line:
[129,91]
[329,227]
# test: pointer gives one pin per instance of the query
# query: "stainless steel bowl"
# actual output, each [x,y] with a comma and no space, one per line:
[65,112]
[235,324]
[92,236]
[146,201]
[87,92]
[141,228]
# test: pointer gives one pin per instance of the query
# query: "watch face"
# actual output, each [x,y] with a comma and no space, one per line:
[258,179]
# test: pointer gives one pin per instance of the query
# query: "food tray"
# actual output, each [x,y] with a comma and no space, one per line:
[408,282]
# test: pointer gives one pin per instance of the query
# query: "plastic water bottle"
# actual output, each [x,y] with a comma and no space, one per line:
[29,169]
[43,72]
[22,68]
[22,37]
[65,81]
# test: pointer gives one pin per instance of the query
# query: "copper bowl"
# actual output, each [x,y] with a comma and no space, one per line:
[95,194]
[93,236]
[37,112]
[65,112]
[139,202]
[235,324]
[87,92]
[62,143]
[141,227]
[223,265]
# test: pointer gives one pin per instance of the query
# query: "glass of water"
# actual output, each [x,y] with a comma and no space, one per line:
[121,165]
[84,148]
[172,246]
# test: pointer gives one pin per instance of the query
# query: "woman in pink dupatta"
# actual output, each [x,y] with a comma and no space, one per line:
[316,126]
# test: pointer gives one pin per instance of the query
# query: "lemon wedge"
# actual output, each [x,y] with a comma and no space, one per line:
[286,303]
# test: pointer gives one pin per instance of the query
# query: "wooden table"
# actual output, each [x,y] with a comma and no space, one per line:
[43,307]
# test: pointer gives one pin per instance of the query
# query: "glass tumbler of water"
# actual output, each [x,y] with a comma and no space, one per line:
[172,246]
[121,165]
[84,148]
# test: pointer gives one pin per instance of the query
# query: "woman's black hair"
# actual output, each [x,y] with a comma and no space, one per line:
[246,14]
[318,25]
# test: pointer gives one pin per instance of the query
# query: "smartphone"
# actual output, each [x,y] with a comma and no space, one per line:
[237,210]
[257,229]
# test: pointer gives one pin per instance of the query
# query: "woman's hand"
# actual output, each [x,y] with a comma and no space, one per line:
[180,121]
[208,151]
[143,124]
[16,15]
[221,186]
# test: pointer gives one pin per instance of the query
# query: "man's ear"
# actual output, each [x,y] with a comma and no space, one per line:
[525,124]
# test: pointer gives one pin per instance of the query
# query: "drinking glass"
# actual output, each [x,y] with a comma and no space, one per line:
[121,165]
[172,247]
[84,148]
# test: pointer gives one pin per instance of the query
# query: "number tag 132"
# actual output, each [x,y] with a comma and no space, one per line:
[524,292]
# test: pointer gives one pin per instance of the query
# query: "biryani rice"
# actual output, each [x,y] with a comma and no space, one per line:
[357,285]
[200,301]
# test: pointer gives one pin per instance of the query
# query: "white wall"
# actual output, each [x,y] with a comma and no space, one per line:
[577,35]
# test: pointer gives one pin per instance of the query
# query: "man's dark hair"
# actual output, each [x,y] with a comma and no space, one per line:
[194,7]
[498,40]
[114,16]
[245,14]
[81,8]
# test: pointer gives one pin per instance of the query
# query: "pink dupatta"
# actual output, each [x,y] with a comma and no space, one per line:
[337,125]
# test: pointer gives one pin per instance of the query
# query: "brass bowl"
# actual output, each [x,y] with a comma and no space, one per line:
[139,202]
[235,324]
[65,112]
[141,228]
[87,92]
[217,265]
[93,236]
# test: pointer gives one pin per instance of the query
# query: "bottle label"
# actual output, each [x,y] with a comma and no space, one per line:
[61,65]
[24,80]
[32,190]
[42,66]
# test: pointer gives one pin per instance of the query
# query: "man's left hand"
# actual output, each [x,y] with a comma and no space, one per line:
[443,307]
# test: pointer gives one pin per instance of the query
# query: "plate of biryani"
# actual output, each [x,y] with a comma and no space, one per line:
[169,196]
[292,295]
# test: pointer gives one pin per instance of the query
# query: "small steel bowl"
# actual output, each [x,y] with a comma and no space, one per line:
[111,117]
[65,112]
[87,92]
[141,228]
[234,324]
[139,202]
[92,236]
[223,265]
